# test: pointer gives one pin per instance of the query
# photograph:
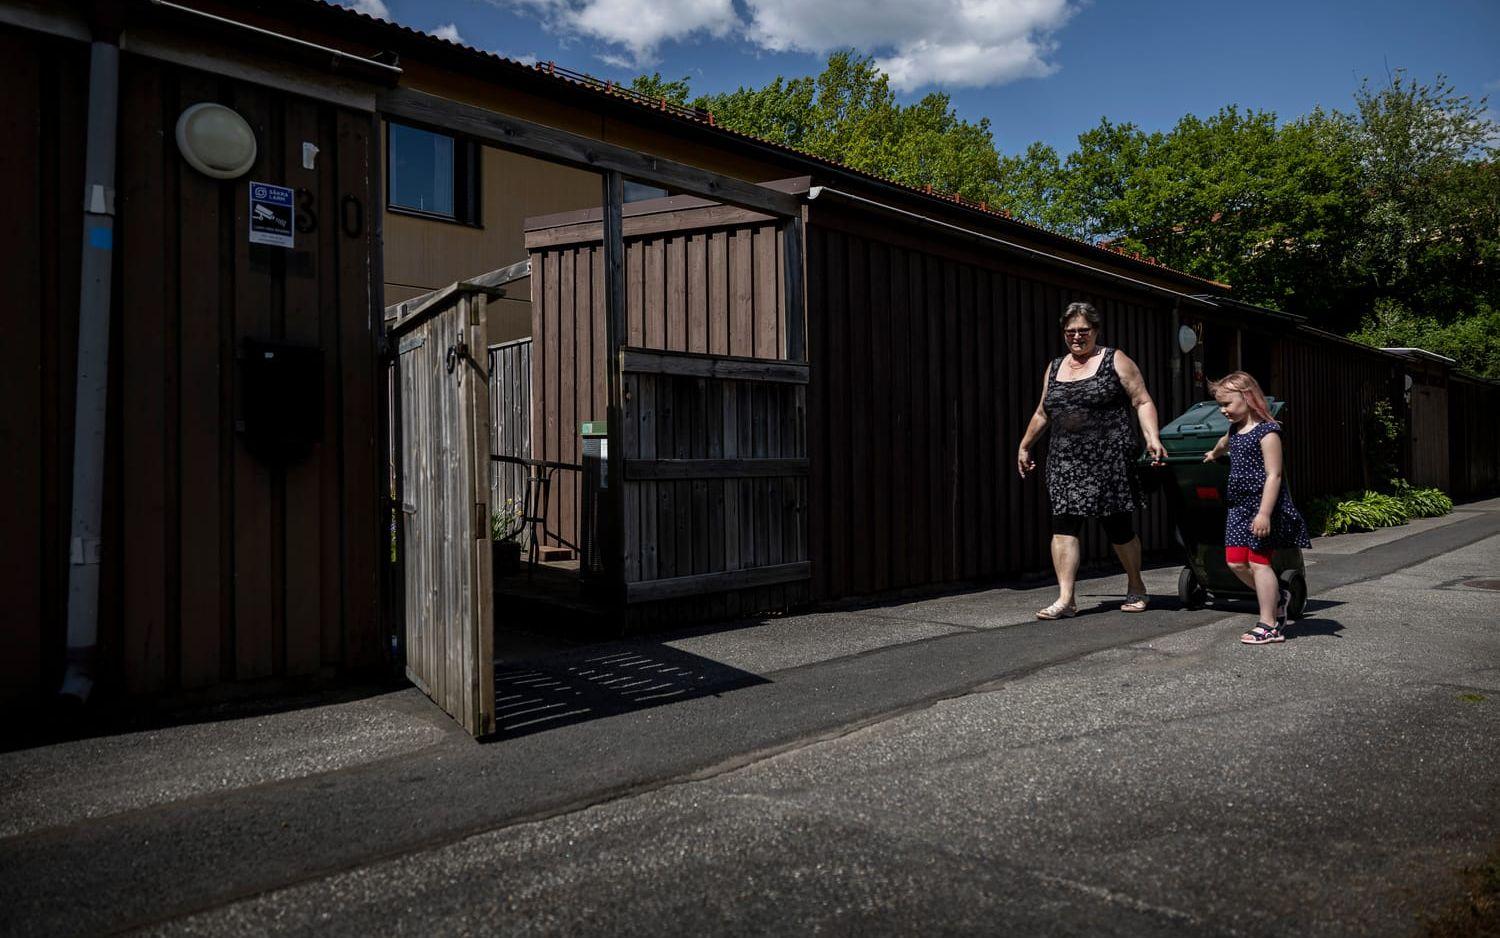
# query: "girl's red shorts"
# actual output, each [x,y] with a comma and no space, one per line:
[1247,554]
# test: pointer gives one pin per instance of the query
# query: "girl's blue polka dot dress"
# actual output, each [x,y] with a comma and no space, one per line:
[1247,480]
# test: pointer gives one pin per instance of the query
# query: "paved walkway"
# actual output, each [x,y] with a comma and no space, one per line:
[760,783]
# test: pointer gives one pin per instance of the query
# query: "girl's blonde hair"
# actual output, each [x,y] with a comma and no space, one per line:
[1243,382]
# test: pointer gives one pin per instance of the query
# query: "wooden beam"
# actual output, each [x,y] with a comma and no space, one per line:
[655,470]
[433,303]
[795,320]
[612,520]
[549,143]
[699,584]
[695,220]
[644,361]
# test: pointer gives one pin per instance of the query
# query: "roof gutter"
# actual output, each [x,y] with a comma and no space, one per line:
[1191,299]
[1420,353]
[334,60]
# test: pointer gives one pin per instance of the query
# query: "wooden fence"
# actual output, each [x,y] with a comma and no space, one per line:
[1473,444]
[700,278]
[927,362]
[715,493]
[510,428]
[1330,386]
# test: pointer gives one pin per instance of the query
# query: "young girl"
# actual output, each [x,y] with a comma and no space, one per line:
[1261,514]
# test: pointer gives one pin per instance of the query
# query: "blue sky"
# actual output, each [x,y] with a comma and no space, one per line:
[1039,69]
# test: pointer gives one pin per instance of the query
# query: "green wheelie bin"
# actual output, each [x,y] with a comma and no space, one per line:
[1195,493]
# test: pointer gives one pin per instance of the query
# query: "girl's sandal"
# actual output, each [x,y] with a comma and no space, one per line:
[1263,634]
[1134,602]
[1058,610]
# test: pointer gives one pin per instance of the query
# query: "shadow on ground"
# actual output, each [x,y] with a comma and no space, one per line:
[601,681]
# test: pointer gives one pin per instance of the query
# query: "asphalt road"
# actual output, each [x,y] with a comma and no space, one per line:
[943,765]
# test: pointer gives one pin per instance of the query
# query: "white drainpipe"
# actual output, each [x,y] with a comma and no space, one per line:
[93,371]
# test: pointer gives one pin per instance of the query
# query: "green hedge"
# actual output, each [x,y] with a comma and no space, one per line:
[1366,511]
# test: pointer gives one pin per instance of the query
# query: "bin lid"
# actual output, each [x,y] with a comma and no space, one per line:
[1198,427]
[591,428]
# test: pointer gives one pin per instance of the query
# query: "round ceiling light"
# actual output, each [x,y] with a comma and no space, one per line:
[216,141]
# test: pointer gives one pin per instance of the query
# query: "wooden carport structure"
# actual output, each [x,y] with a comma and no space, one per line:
[451,505]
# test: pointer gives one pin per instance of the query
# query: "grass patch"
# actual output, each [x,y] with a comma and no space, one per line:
[1476,914]
[1471,698]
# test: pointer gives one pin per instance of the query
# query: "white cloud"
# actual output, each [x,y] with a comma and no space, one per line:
[948,42]
[931,42]
[636,28]
[448,31]
[376,8]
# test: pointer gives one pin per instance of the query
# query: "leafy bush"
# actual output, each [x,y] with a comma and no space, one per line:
[1472,338]
[1423,503]
[1384,433]
[1366,511]
[505,521]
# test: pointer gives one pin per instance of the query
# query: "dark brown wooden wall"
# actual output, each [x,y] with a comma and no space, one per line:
[1473,443]
[42,123]
[218,566]
[1329,386]
[927,362]
[705,281]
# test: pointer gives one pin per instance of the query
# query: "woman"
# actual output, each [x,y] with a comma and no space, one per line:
[1087,397]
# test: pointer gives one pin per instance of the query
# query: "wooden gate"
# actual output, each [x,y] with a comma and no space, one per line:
[1429,435]
[443,485]
[715,473]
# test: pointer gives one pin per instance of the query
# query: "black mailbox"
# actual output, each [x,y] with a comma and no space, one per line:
[281,409]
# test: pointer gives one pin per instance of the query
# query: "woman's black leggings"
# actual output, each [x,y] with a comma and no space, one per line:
[1119,528]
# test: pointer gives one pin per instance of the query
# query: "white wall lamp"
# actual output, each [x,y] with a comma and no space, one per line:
[216,141]
[1187,338]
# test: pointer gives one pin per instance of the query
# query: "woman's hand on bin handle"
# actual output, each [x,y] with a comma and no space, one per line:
[1156,451]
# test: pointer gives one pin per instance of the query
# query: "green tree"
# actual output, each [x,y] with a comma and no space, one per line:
[656,87]
[1432,195]
[849,113]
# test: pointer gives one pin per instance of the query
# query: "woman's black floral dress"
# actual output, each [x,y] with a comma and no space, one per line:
[1093,448]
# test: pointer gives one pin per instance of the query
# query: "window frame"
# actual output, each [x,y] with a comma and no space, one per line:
[468,164]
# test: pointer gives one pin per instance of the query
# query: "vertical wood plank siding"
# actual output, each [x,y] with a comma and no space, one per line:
[1473,444]
[695,288]
[927,361]
[218,565]
[1329,388]
[510,420]
[42,120]
[446,427]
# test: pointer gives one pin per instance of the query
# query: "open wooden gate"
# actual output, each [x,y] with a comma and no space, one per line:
[442,438]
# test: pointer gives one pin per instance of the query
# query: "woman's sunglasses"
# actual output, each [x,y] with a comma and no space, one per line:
[1077,332]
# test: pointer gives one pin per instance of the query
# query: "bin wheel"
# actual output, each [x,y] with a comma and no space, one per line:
[1189,590]
[1295,583]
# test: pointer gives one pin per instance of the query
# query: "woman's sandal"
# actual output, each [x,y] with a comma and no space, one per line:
[1058,610]
[1134,602]
[1263,634]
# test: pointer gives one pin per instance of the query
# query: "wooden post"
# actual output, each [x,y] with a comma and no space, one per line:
[796,323]
[614,337]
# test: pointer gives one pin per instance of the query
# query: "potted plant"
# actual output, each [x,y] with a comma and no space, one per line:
[505,532]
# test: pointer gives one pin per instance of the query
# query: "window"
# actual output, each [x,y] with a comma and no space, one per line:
[432,174]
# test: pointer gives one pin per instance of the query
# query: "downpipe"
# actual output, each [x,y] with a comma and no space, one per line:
[85,543]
